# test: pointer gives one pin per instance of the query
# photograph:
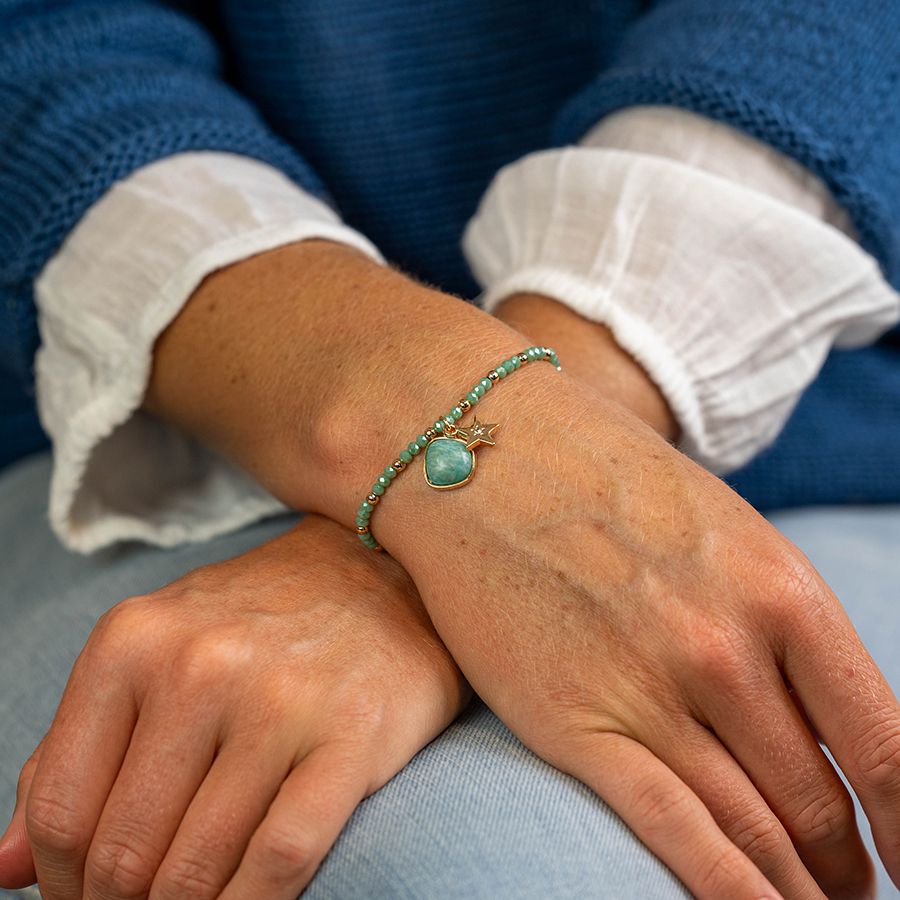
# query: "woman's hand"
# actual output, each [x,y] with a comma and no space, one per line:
[641,627]
[215,735]
[626,614]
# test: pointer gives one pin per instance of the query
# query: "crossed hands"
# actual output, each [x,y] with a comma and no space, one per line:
[631,620]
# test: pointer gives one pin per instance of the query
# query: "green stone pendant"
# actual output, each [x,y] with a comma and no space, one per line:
[450,459]
[449,463]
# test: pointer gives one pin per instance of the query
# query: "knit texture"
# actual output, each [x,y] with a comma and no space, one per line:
[403,112]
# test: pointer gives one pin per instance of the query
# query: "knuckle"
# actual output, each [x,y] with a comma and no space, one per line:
[661,808]
[363,711]
[760,837]
[824,820]
[286,853]
[53,824]
[217,654]
[793,590]
[186,879]
[125,615]
[131,621]
[722,657]
[721,874]
[119,869]
[878,761]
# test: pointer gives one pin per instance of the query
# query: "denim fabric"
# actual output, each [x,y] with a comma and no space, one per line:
[475,814]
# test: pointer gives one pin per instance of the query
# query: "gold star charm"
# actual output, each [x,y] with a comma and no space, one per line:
[477,433]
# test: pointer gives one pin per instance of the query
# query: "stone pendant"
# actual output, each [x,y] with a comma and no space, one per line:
[450,458]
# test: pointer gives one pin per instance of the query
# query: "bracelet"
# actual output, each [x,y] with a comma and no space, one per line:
[449,460]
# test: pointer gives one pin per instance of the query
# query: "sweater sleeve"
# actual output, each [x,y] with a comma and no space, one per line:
[89,92]
[816,79]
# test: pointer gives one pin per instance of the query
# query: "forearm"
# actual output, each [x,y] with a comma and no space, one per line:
[591,355]
[311,366]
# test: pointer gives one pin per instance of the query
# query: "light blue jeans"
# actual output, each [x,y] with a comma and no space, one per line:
[475,814]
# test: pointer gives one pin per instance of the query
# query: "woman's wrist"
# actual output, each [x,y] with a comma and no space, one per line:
[591,355]
[311,366]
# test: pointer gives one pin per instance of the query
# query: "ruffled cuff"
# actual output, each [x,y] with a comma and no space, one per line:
[121,277]
[729,298]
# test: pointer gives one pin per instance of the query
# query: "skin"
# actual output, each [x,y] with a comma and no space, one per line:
[629,617]
[289,683]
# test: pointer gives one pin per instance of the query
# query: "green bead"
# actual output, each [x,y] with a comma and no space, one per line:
[390,472]
[478,390]
[422,441]
[365,506]
[486,383]
[377,489]
[405,456]
[439,425]
[457,413]
[501,371]
[413,447]
[472,397]
[383,480]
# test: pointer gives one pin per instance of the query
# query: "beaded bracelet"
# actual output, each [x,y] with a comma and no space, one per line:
[449,460]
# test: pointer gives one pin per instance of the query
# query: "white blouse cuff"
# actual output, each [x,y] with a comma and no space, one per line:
[120,278]
[728,297]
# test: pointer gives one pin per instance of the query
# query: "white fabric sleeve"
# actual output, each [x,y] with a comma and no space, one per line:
[122,275]
[723,267]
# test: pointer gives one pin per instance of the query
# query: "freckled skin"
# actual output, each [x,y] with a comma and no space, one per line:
[304,670]
[627,615]
[640,611]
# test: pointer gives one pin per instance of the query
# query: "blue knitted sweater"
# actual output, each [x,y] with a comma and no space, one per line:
[401,111]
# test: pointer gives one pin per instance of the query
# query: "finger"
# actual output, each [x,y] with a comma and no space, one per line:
[803,714]
[79,761]
[219,823]
[757,720]
[302,823]
[854,710]
[699,758]
[16,863]
[669,818]
[166,763]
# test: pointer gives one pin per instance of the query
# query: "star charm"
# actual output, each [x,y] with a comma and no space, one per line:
[478,433]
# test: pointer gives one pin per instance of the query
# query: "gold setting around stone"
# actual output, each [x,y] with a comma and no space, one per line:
[458,484]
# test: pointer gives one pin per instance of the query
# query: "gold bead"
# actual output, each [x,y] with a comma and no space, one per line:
[430,433]
[362,529]
[373,499]
[523,358]
[464,404]
[398,464]
[493,375]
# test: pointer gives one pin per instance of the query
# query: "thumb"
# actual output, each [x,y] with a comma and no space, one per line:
[16,863]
